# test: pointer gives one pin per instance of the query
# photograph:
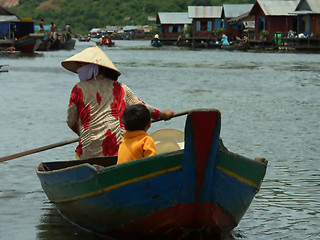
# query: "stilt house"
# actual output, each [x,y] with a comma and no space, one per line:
[308,12]
[205,19]
[274,16]
[232,11]
[172,24]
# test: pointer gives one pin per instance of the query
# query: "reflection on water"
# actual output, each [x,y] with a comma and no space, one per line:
[269,104]
[53,226]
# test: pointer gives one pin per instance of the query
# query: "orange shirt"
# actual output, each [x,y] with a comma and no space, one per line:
[135,145]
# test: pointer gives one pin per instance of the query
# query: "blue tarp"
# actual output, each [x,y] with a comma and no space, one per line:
[46,28]
[4,30]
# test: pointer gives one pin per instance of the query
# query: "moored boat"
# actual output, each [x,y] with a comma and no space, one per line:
[61,44]
[243,45]
[108,44]
[19,34]
[29,43]
[156,43]
[201,189]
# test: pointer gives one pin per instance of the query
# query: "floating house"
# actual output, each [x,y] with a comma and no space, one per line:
[172,24]
[205,19]
[17,34]
[308,12]
[234,16]
[272,17]
[97,32]
[7,20]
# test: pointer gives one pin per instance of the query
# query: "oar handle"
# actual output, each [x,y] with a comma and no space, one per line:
[47,147]
[175,115]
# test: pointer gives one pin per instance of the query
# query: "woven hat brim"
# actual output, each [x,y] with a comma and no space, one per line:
[90,55]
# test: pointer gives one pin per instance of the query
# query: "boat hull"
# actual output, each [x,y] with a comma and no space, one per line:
[29,43]
[171,195]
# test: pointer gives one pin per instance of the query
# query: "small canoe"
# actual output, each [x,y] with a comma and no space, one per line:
[108,44]
[156,43]
[201,190]
[236,46]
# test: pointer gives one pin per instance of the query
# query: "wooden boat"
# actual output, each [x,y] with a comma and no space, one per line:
[84,38]
[29,43]
[244,45]
[3,70]
[61,44]
[45,43]
[108,44]
[201,190]
[67,45]
[156,43]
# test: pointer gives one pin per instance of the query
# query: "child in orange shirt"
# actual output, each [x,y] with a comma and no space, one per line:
[136,143]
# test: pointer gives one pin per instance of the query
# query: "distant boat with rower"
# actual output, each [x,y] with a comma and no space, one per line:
[155,42]
[104,41]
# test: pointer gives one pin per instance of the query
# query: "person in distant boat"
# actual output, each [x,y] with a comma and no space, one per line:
[53,31]
[110,42]
[68,32]
[41,25]
[104,40]
[97,104]
[136,143]
[11,49]
[224,40]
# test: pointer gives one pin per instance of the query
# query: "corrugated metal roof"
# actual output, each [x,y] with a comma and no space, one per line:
[12,18]
[204,11]
[235,10]
[5,15]
[308,7]
[129,28]
[278,7]
[173,18]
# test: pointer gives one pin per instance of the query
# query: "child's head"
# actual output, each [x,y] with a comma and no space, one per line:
[136,117]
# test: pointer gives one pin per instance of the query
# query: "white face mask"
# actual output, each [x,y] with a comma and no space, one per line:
[88,71]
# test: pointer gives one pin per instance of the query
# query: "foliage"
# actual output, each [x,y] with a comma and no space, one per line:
[154,31]
[83,15]
[187,31]
[264,33]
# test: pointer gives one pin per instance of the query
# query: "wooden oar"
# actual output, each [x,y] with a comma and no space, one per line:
[40,149]
[59,144]
[3,70]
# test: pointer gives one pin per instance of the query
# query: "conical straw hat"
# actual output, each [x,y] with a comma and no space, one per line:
[90,55]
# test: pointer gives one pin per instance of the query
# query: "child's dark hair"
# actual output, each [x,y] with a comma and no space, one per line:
[136,117]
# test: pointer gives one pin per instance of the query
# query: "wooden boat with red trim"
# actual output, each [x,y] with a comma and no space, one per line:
[202,190]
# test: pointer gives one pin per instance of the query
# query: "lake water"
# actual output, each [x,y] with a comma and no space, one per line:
[269,103]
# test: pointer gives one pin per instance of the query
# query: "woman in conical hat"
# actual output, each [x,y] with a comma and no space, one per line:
[97,103]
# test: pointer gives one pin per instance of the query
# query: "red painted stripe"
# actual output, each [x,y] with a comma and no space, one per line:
[204,124]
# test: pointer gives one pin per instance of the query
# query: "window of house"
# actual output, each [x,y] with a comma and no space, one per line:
[261,24]
[217,23]
[209,28]
[174,29]
[198,26]
[203,26]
